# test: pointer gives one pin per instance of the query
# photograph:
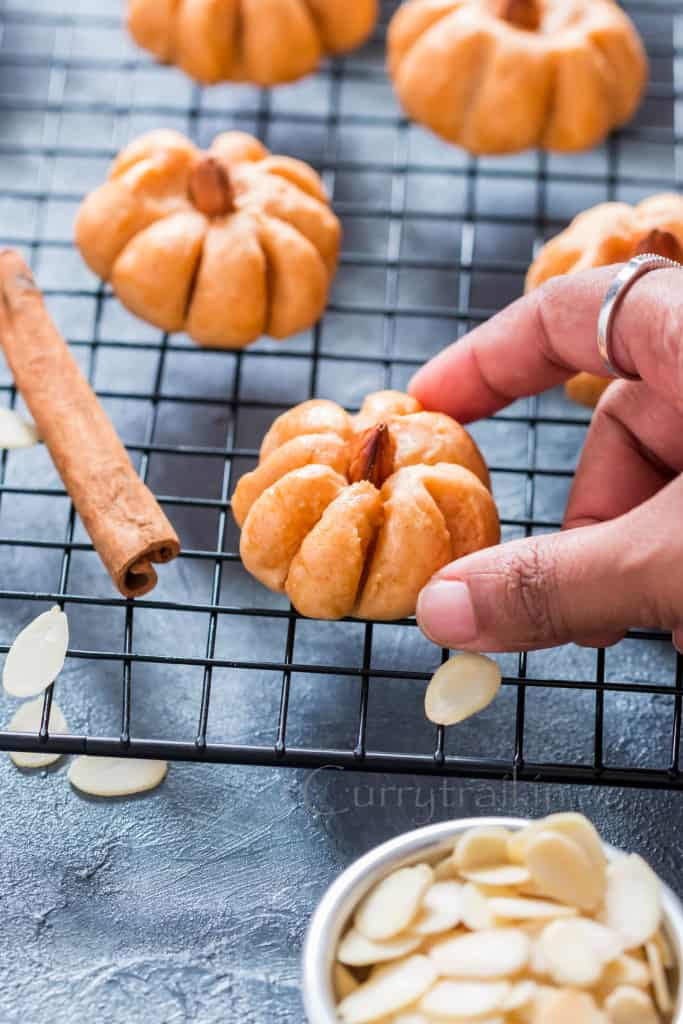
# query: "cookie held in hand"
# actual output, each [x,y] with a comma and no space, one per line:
[260,41]
[605,234]
[352,515]
[226,244]
[498,76]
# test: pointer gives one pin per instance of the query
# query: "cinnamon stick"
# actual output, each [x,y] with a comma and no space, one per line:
[128,528]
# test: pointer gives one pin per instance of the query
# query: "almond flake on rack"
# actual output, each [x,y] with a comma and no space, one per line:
[392,905]
[462,686]
[356,950]
[28,718]
[15,431]
[494,953]
[397,987]
[633,900]
[116,776]
[37,656]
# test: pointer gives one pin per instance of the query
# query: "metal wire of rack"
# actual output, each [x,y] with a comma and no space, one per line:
[211,667]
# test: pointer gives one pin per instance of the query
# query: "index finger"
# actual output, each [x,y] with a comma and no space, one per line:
[549,335]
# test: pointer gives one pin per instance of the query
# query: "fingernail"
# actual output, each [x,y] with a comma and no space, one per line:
[677,638]
[446,614]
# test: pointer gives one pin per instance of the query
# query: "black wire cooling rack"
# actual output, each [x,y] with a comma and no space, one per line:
[212,667]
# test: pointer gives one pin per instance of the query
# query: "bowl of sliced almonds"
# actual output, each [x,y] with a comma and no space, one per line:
[496,921]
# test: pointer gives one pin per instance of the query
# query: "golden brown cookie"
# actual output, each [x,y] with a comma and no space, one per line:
[226,244]
[260,41]
[498,76]
[353,515]
[609,233]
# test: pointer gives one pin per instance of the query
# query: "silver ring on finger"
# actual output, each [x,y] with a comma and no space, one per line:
[616,293]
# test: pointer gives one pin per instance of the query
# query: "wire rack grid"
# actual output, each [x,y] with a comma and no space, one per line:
[210,666]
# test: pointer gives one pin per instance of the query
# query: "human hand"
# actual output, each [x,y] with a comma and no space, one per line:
[624,566]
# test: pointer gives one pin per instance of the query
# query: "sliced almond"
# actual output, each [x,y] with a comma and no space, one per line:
[36,657]
[441,909]
[344,982]
[526,909]
[461,687]
[518,842]
[444,870]
[576,950]
[429,941]
[660,982]
[465,999]
[522,993]
[494,953]
[482,848]
[574,826]
[392,905]
[502,876]
[625,970]
[116,776]
[561,870]
[15,431]
[356,950]
[410,1017]
[568,1007]
[538,965]
[633,904]
[476,912]
[667,954]
[28,718]
[529,889]
[396,987]
[630,1005]
[582,831]
[530,1013]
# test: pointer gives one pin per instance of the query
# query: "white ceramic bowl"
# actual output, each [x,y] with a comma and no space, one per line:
[431,843]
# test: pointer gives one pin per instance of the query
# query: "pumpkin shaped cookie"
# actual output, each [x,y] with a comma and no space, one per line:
[498,76]
[352,515]
[227,244]
[260,41]
[609,233]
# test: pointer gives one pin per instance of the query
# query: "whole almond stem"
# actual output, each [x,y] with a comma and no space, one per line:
[211,189]
[661,243]
[372,455]
[524,14]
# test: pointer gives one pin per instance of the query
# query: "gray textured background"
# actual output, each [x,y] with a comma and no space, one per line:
[190,904]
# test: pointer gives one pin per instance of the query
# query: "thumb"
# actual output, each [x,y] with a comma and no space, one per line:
[593,581]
